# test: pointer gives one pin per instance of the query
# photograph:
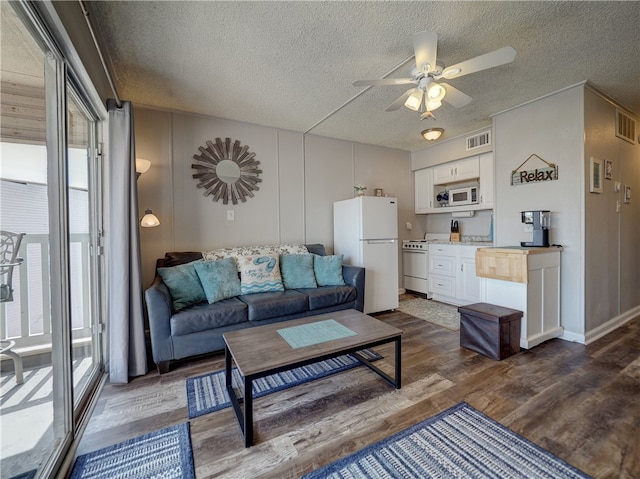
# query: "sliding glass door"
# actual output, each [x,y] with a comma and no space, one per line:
[50,198]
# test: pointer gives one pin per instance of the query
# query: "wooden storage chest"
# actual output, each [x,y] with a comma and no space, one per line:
[493,331]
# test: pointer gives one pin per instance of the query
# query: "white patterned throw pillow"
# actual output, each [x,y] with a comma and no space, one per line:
[259,273]
[238,251]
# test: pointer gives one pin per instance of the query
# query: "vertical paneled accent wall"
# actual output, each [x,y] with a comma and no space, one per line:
[302,175]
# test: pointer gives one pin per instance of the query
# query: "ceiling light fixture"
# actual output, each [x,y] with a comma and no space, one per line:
[432,134]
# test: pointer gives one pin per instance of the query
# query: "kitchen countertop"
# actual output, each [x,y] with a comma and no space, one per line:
[486,244]
[443,238]
[521,249]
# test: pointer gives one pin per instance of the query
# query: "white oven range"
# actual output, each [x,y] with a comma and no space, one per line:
[415,266]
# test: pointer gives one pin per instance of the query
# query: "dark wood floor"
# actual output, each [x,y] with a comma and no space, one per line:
[582,403]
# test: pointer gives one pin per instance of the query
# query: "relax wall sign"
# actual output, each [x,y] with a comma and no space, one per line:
[520,176]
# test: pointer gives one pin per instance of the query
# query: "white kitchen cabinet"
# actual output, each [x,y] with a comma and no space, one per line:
[467,283]
[423,180]
[526,279]
[487,181]
[442,271]
[455,171]
[452,274]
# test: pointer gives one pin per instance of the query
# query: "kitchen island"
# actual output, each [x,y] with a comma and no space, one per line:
[526,279]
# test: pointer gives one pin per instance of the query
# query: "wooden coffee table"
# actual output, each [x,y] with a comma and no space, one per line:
[261,351]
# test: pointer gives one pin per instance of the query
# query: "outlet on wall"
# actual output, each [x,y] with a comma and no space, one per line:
[230,215]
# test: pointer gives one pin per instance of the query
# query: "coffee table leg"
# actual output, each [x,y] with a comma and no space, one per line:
[227,367]
[248,412]
[398,363]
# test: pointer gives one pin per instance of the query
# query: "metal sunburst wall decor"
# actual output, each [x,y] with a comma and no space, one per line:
[227,171]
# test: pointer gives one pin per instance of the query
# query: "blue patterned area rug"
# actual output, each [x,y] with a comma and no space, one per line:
[165,454]
[208,393]
[459,442]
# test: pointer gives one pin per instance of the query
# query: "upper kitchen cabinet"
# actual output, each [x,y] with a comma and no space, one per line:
[456,171]
[423,192]
[487,181]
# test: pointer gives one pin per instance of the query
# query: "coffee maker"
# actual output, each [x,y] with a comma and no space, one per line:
[540,220]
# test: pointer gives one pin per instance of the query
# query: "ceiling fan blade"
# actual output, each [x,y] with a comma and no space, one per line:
[400,101]
[454,96]
[425,46]
[492,59]
[384,81]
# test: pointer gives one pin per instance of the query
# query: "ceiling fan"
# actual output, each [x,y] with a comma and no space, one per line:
[427,76]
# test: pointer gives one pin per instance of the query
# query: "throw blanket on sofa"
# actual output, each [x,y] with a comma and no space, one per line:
[236,252]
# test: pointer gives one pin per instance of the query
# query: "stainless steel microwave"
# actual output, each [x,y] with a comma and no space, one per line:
[463,196]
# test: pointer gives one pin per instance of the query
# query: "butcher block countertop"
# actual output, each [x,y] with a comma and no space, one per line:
[509,263]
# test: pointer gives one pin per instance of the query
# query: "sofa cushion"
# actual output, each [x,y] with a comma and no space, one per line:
[219,279]
[316,248]
[175,258]
[272,305]
[327,296]
[297,271]
[259,274]
[204,316]
[184,285]
[328,270]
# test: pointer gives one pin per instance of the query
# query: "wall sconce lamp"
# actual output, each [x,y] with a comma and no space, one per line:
[142,166]
[432,134]
[149,220]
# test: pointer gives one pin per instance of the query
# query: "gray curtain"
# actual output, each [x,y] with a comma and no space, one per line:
[126,341]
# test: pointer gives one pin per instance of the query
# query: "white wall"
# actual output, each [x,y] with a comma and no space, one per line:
[612,238]
[553,129]
[302,175]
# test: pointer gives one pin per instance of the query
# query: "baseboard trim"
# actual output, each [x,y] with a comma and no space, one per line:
[573,337]
[611,325]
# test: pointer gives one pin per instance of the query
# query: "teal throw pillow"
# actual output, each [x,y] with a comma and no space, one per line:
[328,270]
[219,279]
[184,285]
[259,273]
[297,271]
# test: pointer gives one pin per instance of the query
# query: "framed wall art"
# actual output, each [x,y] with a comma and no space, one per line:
[227,171]
[608,169]
[596,175]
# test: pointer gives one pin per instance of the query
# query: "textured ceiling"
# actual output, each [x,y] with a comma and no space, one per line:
[290,64]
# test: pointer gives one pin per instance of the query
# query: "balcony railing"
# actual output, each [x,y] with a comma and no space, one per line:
[27,319]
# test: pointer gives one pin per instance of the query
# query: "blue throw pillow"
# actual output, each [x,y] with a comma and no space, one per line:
[184,285]
[328,270]
[219,279]
[297,271]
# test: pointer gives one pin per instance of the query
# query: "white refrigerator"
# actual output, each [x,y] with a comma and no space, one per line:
[365,231]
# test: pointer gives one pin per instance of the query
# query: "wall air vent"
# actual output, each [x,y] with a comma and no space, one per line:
[625,127]
[479,140]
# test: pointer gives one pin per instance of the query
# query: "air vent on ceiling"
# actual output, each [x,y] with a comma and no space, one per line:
[625,127]
[479,140]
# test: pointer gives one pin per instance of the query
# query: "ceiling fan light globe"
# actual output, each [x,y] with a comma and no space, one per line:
[435,92]
[415,100]
[433,105]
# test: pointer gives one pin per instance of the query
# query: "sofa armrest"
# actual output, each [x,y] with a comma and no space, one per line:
[159,302]
[354,275]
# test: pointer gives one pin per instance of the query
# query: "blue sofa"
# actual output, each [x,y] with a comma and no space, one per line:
[198,329]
